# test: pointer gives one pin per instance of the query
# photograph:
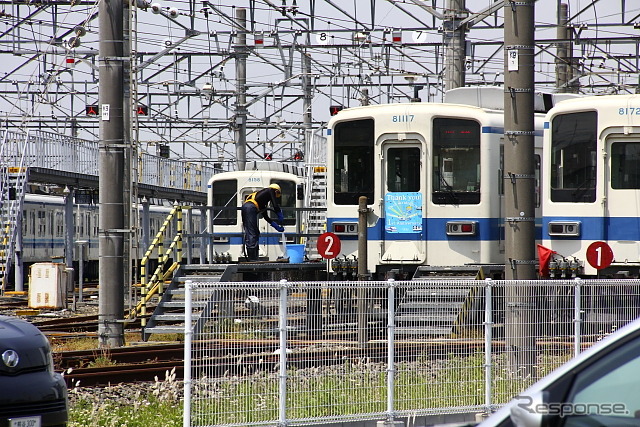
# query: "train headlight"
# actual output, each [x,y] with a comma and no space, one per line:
[564,228]
[462,228]
[345,227]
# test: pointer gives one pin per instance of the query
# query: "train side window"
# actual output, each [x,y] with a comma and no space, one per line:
[573,157]
[25,223]
[353,143]
[59,224]
[287,200]
[456,161]
[625,165]
[32,222]
[41,223]
[224,209]
[403,169]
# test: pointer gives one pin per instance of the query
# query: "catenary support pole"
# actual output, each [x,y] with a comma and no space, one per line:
[564,71]
[241,54]
[111,171]
[519,181]
[454,36]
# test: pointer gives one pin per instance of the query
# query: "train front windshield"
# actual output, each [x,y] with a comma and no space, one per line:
[456,161]
[353,162]
[573,157]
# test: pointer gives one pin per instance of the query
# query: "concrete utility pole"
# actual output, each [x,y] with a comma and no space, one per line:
[241,88]
[455,44]
[564,53]
[519,180]
[111,171]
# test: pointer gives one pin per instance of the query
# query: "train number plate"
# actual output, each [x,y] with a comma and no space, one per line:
[25,422]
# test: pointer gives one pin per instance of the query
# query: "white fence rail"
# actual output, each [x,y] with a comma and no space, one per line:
[294,353]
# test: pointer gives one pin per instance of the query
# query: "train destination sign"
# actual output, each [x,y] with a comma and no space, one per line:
[329,245]
[599,255]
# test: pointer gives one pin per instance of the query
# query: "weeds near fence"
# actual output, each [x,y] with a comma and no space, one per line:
[360,387]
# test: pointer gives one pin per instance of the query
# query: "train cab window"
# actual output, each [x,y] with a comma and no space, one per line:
[287,200]
[353,161]
[625,165]
[403,169]
[573,157]
[224,202]
[456,161]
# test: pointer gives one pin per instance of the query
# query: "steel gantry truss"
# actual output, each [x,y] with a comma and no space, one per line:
[190,93]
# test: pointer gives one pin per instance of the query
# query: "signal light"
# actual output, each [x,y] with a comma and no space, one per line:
[91,110]
[142,110]
[298,155]
[268,156]
[335,109]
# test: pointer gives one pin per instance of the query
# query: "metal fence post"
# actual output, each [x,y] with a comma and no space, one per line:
[186,417]
[282,392]
[488,329]
[577,318]
[391,368]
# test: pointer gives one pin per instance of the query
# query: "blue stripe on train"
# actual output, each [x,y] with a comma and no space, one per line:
[599,228]
[434,229]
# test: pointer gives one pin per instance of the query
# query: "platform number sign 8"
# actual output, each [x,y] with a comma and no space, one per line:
[323,38]
[328,245]
[599,255]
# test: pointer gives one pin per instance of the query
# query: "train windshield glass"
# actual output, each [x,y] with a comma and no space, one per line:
[287,200]
[224,209]
[573,157]
[456,161]
[353,161]
[625,165]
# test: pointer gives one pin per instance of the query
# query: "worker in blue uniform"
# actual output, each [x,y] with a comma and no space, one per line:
[256,204]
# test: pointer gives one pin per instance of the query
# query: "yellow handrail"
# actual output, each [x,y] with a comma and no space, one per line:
[156,283]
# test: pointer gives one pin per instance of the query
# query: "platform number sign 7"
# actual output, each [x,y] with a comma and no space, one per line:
[328,245]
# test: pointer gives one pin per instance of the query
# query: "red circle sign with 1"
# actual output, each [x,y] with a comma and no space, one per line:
[599,255]
[328,245]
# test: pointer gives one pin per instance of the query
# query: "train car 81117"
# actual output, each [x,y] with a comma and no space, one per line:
[591,197]
[432,174]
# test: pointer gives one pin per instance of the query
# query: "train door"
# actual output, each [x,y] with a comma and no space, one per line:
[622,196]
[404,205]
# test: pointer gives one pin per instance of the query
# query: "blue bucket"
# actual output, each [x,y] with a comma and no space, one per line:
[296,253]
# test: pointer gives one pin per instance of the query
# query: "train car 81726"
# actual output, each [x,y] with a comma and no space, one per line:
[432,174]
[592,189]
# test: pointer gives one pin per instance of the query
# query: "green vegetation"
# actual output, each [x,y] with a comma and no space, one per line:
[353,387]
[147,412]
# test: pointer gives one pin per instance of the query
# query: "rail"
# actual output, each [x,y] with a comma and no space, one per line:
[155,285]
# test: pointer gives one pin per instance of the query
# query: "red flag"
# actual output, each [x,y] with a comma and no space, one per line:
[544,256]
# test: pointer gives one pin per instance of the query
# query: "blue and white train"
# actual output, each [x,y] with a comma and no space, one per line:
[591,197]
[226,193]
[44,229]
[432,174]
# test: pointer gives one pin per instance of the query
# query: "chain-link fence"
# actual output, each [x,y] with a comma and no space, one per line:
[293,353]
